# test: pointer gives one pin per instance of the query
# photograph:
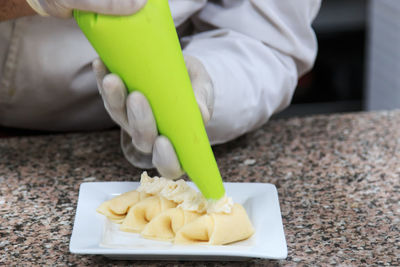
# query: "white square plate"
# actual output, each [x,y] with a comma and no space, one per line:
[95,234]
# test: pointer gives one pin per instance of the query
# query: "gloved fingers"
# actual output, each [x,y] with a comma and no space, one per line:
[141,122]
[200,93]
[134,156]
[165,159]
[100,70]
[113,93]
[114,96]
[202,86]
[110,7]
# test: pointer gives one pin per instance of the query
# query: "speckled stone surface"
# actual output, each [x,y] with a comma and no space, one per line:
[338,179]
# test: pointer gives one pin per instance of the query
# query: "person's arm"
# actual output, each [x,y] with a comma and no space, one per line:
[254,58]
[12,9]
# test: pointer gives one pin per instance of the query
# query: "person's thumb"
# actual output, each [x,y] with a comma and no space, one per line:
[202,86]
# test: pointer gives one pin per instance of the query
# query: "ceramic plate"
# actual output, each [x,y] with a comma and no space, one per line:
[94,234]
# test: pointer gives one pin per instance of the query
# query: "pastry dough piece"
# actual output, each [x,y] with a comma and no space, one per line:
[115,209]
[166,224]
[217,228]
[106,211]
[143,212]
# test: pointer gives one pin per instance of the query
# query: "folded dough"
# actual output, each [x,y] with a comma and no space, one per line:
[166,224]
[115,209]
[169,210]
[217,228]
[143,212]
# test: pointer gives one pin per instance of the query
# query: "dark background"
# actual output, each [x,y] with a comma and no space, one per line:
[337,81]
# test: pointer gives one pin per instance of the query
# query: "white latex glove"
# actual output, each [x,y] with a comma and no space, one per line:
[140,142]
[63,8]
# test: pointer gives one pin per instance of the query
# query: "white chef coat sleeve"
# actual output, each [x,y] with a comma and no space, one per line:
[254,59]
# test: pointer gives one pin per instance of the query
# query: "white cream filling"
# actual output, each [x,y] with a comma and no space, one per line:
[180,192]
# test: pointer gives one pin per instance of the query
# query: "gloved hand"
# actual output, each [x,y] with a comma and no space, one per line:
[63,8]
[140,142]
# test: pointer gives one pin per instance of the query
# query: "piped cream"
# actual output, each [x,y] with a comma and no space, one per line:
[186,197]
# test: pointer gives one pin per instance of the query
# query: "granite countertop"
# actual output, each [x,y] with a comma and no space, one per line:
[338,179]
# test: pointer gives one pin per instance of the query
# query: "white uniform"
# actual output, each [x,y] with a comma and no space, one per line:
[253,50]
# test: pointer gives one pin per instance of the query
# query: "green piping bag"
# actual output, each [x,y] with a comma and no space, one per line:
[144,50]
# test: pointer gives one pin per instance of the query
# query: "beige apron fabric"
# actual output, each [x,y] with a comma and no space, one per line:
[47,82]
